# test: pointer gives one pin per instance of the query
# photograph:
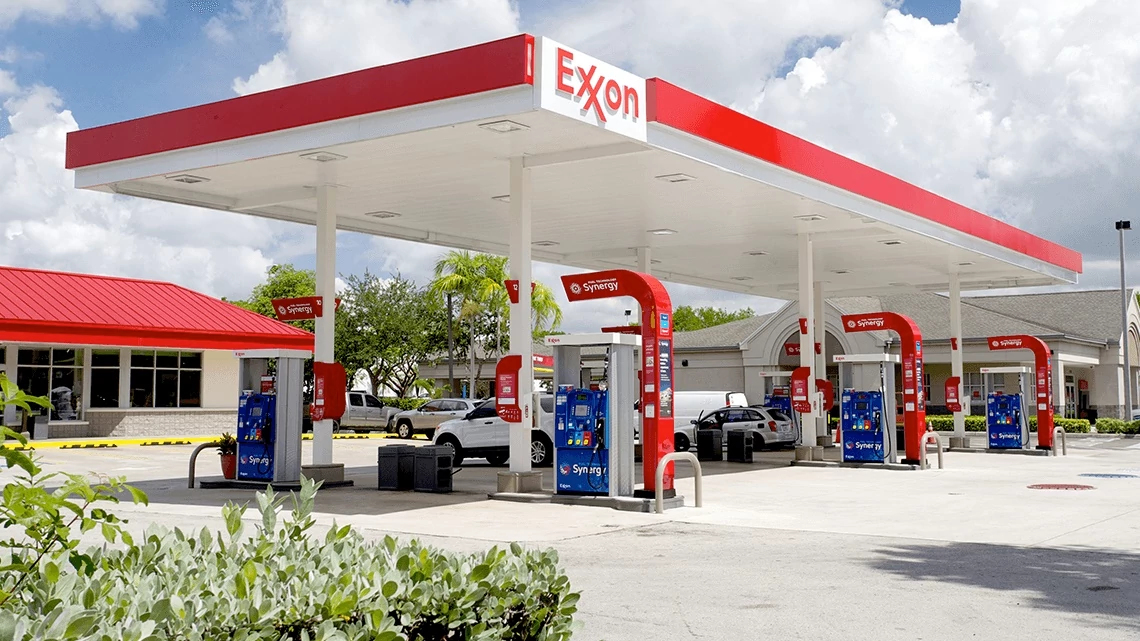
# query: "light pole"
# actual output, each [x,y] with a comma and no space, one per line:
[1121,226]
[450,350]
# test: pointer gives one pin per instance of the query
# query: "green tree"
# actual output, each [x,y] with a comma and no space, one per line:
[386,327]
[281,281]
[687,319]
[477,282]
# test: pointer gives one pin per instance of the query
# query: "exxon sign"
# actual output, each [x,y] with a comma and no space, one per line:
[582,87]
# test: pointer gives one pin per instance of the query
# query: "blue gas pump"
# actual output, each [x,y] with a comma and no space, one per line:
[256,436]
[1004,421]
[863,427]
[581,455]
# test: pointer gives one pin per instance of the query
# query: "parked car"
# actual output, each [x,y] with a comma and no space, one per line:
[363,412]
[425,419]
[482,434]
[770,427]
[690,406]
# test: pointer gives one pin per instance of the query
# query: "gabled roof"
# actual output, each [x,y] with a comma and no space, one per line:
[932,314]
[727,336]
[59,307]
[1092,313]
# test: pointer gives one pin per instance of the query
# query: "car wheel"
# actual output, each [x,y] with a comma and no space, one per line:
[336,427]
[457,451]
[404,429]
[680,442]
[497,459]
[541,451]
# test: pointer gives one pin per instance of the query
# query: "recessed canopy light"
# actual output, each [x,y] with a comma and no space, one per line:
[891,242]
[654,261]
[741,278]
[841,271]
[545,243]
[662,232]
[965,264]
[503,126]
[505,198]
[811,218]
[675,178]
[756,253]
[322,156]
[899,284]
[188,179]
[382,214]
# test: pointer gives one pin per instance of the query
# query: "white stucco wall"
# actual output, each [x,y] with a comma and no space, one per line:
[708,371]
[219,380]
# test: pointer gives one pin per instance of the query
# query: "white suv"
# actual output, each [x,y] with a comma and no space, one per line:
[482,434]
[429,415]
[769,426]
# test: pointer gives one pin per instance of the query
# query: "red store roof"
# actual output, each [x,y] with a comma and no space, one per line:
[82,309]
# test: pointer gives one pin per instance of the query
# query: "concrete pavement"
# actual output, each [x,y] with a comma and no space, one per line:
[966,552]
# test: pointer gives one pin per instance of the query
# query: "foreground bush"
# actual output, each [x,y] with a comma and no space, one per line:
[284,583]
[975,423]
[1117,426]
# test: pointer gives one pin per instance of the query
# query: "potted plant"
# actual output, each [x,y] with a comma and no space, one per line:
[227,450]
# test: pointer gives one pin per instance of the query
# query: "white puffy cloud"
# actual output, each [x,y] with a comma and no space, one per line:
[1024,110]
[46,223]
[124,14]
[327,37]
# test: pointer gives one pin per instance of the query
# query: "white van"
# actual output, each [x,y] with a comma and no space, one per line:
[690,406]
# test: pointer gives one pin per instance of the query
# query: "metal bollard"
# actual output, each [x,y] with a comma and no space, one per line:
[659,506]
[922,446]
[194,458]
[1064,444]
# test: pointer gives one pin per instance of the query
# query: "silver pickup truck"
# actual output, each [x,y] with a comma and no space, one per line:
[363,412]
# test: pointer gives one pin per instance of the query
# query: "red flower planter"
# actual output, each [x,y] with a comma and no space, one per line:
[229,465]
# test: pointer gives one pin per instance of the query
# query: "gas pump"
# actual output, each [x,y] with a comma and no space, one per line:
[1006,424]
[269,415]
[867,407]
[594,420]
[778,395]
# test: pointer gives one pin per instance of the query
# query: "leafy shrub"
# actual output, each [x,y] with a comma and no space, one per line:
[284,583]
[1071,425]
[403,403]
[976,423]
[1117,426]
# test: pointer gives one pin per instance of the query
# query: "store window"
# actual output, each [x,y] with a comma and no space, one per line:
[56,373]
[104,378]
[165,378]
[926,387]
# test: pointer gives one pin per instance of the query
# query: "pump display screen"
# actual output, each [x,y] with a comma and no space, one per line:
[581,410]
[860,407]
[1003,406]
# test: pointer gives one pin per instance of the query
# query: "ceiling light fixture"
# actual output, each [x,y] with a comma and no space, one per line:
[322,156]
[741,278]
[382,214]
[545,243]
[811,218]
[663,232]
[841,271]
[503,126]
[505,198]
[966,263]
[654,261]
[675,178]
[891,242]
[188,179]
[756,253]
[899,284]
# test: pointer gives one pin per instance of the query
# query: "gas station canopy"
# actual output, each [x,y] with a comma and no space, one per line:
[419,150]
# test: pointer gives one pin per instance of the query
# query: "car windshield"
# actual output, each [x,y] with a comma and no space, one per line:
[778,415]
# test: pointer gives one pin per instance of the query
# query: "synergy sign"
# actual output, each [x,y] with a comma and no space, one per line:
[582,87]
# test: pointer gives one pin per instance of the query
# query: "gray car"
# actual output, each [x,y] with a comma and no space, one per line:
[425,419]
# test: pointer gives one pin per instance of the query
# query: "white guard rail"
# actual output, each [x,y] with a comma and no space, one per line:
[1064,445]
[926,438]
[659,505]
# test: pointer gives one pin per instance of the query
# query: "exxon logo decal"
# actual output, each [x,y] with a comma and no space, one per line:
[604,96]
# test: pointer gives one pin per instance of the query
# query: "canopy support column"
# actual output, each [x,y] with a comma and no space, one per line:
[820,373]
[805,449]
[324,348]
[956,347]
[522,342]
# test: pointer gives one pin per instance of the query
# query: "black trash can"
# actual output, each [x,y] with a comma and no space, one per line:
[710,445]
[396,467]
[433,468]
[739,446]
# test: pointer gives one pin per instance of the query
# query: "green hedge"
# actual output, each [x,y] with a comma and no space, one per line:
[285,583]
[1117,426]
[976,423]
[403,403]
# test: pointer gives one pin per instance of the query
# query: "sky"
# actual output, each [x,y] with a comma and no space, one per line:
[1028,110]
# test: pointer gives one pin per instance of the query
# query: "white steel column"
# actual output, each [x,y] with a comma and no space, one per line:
[522,342]
[11,352]
[1059,388]
[326,324]
[125,379]
[956,355]
[807,341]
[644,260]
[820,358]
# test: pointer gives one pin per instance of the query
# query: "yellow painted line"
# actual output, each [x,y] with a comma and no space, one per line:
[152,441]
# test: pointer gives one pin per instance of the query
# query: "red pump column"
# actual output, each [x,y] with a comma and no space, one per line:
[914,405]
[656,358]
[1044,373]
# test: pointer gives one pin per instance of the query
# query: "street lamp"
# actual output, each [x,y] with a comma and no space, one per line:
[1121,226]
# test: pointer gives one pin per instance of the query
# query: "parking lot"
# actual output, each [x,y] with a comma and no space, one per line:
[968,551]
